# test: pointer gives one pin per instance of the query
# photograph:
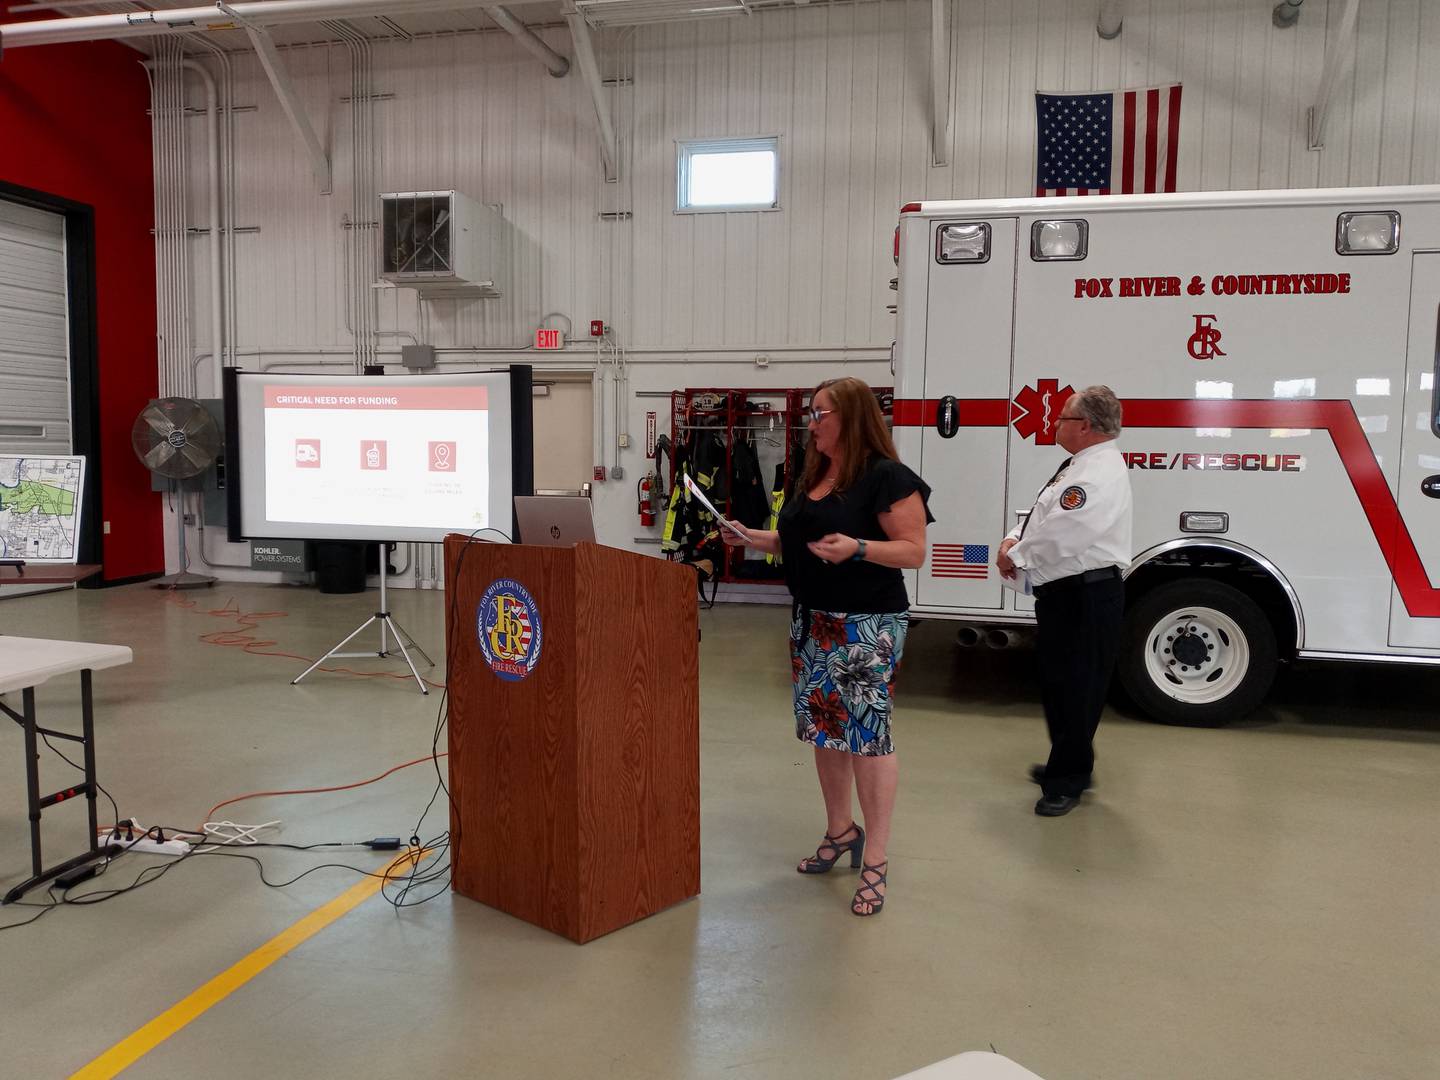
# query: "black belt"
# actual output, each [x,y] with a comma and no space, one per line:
[1089,577]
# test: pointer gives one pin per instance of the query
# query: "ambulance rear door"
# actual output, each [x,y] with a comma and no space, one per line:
[1419,489]
[968,339]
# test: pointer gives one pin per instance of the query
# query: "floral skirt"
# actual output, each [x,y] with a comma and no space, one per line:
[843,668]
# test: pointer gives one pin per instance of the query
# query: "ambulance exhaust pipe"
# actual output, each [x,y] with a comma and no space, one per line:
[967,637]
[1003,639]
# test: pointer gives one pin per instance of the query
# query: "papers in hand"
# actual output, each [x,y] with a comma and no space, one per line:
[1020,582]
[694,490]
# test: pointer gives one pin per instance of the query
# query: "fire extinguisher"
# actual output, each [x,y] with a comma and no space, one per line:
[645,492]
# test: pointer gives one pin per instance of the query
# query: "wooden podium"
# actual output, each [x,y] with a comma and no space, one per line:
[573,677]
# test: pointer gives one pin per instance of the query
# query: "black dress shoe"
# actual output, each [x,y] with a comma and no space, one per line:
[1056,805]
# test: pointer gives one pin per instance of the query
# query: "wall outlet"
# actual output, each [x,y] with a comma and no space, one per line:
[624,442]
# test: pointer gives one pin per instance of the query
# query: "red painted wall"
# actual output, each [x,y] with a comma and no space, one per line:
[73,124]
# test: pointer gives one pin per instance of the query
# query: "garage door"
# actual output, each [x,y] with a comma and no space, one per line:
[34,335]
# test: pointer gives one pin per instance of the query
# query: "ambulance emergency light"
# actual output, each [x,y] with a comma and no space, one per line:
[1059,241]
[963,242]
[1370,233]
[376,458]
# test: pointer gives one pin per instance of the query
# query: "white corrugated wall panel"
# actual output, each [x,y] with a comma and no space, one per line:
[846,87]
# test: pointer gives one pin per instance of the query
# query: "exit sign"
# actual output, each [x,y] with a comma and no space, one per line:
[549,339]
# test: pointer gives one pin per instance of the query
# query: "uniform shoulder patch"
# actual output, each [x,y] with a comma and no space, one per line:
[1072,498]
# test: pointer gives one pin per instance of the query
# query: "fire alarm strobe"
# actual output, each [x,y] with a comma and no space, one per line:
[597,327]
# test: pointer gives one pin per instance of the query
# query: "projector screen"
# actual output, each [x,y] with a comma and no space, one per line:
[384,458]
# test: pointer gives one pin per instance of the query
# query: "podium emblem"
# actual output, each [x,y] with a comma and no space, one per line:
[508,626]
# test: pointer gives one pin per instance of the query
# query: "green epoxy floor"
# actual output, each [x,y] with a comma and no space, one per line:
[1253,902]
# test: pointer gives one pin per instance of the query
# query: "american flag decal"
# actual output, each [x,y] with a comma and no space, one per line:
[1102,144]
[960,561]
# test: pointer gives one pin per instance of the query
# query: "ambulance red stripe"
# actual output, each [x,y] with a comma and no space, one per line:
[1337,418]
[974,412]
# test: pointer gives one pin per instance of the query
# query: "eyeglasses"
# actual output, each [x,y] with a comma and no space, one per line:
[818,414]
[1062,419]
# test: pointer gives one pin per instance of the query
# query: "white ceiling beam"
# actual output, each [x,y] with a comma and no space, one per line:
[131,24]
[940,82]
[1336,55]
[585,57]
[289,101]
[554,63]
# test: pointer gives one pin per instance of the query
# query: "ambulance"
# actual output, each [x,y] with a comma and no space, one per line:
[1276,355]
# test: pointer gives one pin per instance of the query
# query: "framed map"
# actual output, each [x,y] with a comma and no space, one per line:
[40,499]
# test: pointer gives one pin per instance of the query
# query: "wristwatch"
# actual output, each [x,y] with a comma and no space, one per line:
[859,555]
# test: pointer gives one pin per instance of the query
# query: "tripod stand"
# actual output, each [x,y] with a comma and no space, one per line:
[387,624]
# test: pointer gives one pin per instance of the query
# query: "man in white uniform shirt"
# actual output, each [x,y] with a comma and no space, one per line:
[1075,546]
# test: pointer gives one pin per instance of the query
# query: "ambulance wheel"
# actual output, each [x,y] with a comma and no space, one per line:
[1197,652]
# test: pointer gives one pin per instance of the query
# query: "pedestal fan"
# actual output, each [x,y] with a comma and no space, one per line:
[177,438]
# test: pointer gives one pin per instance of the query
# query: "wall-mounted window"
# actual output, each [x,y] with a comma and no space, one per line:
[724,175]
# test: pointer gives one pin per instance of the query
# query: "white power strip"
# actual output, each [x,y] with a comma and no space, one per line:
[152,847]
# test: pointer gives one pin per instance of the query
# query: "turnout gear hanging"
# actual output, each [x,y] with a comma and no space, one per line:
[691,534]
[777,503]
[748,503]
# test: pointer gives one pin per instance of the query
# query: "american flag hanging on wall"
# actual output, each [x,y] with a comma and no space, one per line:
[1103,144]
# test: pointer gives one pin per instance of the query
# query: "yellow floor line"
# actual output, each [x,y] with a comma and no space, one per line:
[131,1049]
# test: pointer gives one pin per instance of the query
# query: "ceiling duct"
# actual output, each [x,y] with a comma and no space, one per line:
[606,13]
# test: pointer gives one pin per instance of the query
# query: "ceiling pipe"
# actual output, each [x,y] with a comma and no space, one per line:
[1111,18]
[554,63]
[1337,54]
[590,69]
[280,82]
[133,24]
[212,192]
[1286,14]
[939,82]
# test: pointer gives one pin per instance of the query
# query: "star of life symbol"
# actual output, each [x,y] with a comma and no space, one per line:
[1039,408]
[1204,344]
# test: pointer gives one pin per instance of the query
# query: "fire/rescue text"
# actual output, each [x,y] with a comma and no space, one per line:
[1289,463]
[1219,285]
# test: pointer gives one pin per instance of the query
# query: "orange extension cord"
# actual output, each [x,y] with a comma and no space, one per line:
[257,646]
[210,816]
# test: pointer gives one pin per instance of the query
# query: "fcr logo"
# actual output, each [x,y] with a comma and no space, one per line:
[1204,343]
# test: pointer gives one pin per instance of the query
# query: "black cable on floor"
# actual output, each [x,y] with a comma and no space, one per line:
[429,860]
[80,768]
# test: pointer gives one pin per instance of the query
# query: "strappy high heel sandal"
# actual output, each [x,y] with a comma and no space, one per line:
[820,864]
[871,878]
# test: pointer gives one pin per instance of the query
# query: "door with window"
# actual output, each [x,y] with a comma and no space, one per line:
[967,377]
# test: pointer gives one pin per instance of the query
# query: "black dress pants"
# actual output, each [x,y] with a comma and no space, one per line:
[1078,638]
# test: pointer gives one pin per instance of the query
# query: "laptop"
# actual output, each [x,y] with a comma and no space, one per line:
[554,520]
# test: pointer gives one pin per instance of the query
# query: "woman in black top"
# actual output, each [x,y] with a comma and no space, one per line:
[855,522]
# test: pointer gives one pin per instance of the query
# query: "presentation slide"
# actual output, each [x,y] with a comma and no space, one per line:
[383,458]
